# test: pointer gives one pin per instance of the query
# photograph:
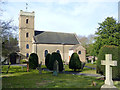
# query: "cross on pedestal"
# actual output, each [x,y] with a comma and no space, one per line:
[108,70]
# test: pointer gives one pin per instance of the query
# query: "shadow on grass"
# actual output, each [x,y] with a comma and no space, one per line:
[33,79]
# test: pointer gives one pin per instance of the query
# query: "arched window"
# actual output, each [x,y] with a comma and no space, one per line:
[27,46]
[46,52]
[26,21]
[58,51]
[27,55]
[79,52]
[27,34]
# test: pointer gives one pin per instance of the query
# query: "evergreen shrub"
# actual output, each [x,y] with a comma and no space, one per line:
[55,56]
[33,61]
[75,62]
[115,51]
[47,59]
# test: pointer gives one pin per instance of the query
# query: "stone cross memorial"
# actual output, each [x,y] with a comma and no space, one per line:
[108,71]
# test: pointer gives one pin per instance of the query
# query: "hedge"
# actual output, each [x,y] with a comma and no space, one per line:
[115,51]
[55,56]
[33,61]
[75,62]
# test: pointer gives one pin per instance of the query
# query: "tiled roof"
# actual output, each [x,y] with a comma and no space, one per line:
[45,37]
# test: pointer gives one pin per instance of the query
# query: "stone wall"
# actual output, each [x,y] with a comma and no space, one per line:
[40,50]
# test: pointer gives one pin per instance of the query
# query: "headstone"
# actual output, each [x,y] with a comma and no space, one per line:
[55,68]
[40,68]
[92,60]
[83,65]
[108,71]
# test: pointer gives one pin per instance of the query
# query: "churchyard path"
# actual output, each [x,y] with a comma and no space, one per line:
[90,67]
[76,73]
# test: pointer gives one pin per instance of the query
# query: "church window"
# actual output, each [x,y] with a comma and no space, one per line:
[58,51]
[46,52]
[26,21]
[79,52]
[27,46]
[27,34]
[27,55]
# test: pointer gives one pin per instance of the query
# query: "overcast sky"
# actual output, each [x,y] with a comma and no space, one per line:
[78,16]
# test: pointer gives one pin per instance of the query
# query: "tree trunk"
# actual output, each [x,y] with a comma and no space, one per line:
[8,69]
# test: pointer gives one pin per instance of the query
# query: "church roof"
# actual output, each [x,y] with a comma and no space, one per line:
[46,37]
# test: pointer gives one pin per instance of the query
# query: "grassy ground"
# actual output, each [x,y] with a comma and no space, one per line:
[85,70]
[91,65]
[18,78]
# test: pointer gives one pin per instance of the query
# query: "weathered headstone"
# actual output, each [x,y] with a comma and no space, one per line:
[83,65]
[92,60]
[55,68]
[108,71]
[40,68]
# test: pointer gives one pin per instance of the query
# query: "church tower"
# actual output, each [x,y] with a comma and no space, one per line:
[26,33]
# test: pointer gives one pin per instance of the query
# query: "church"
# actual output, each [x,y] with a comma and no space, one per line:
[44,42]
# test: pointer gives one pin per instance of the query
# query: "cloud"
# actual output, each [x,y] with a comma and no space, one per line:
[79,17]
[85,8]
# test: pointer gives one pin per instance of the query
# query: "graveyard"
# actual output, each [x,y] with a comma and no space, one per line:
[100,74]
[47,60]
[55,73]
[18,78]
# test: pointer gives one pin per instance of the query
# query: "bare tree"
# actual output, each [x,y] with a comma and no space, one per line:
[7,34]
[83,40]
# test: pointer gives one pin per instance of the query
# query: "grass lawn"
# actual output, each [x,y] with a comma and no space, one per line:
[91,65]
[18,78]
[85,70]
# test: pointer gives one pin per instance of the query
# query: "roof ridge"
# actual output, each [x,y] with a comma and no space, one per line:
[57,32]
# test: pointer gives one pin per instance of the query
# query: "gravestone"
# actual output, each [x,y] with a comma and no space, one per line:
[55,68]
[83,65]
[92,60]
[108,71]
[40,68]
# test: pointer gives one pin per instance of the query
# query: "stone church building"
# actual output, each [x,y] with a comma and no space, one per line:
[43,42]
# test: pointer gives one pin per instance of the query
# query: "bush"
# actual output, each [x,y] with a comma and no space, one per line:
[47,59]
[109,49]
[23,61]
[94,62]
[33,61]
[55,56]
[75,62]
[89,61]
